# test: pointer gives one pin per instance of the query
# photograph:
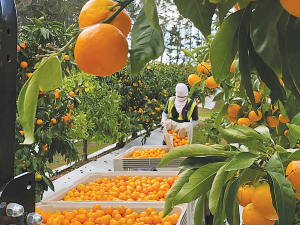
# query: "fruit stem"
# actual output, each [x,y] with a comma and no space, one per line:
[122,6]
[111,7]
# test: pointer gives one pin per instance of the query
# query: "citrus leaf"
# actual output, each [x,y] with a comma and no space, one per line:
[220,215]
[49,74]
[241,161]
[188,53]
[267,75]
[238,134]
[289,156]
[218,96]
[231,206]
[216,188]
[191,151]
[284,200]
[251,175]
[293,49]
[200,14]
[147,44]
[295,130]
[264,132]
[244,64]
[198,217]
[197,162]
[178,184]
[198,49]
[199,183]
[151,14]
[286,74]
[27,104]
[264,33]
[215,1]
[224,46]
[195,85]
[48,182]
[224,7]
[292,139]
[255,145]
[275,165]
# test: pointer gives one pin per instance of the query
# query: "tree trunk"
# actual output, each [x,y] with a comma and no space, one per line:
[84,152]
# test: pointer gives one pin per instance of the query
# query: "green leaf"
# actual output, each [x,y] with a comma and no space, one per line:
[188,53]
[216,188]
[275,165]
[282,109]
[238,134]
[200,14]
[27,104]
[242,4]
[267,75]
[197,162]
[198,216]
[49,74]
[249,175]
[48,182]
[191,151]
[220,215]
[292,139]
[244,64]
[178,184]
[195,85]
[147,44]
[224,46]
[241,161]
[36,22]
[215,1]
[231,206]
[264,33]
[255,145]
[151,14]
[294,130]
[286,74]
[293,49]
[264,132]
[289,156]
[199,183]
[284,199]
[224,7]
[198,49]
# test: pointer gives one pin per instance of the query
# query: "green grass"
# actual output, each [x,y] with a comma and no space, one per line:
[93,146]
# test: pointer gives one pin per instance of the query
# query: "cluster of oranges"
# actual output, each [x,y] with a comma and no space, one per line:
[203,68]
[293,175]
[109,39]
[124,189]
[177,141]
[149,153]
[258,205]
[171,131]
[109,216]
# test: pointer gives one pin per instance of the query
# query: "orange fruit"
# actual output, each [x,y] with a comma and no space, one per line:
[23,64]
[257,96]
[286,133]
[244,195]
[56,95]
[291,6]
[293,173]
[210,83]
[272,121]
[23,45]
[254,125]
[233,109]
[262,201]
[207,144]
[281,81]
[95,11]
[283,120]
[244,121]
[109,210]
[232,68]
[253,117]
[231,119]
[193,78]
[66,57]
[29,75]
[21,132]
[39,122]
[101,50]
[203,68]
[71,94]
[53,121]
[252,216]
[18,48]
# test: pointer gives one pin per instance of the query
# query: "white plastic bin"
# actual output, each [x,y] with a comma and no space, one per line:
[123,163]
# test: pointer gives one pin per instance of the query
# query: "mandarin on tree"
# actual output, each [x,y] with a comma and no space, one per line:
[101,50]
[24,64]
[193,78]
[262,201]
[251,216]
[203,67]
[53,121]
[293,173]
[272,121]
[71,94]
[210,83]
[253,116]
[282,119]
[233,109]
[244,195]
[286,133]
[244,121]
[231,119]
[23,45]
[232,67]
[95,11]
[291,6]
[257,96]
[39,122]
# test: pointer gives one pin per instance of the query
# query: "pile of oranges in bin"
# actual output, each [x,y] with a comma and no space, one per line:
[177,141]
[108,216]
[149,153]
